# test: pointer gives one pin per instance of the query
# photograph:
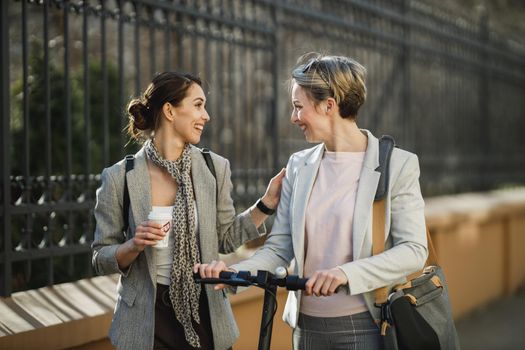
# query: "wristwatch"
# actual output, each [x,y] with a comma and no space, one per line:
[262,207]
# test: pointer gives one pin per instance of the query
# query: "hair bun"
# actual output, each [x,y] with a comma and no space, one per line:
[141,114]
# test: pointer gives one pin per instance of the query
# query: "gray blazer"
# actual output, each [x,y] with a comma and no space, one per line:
[219,230]
[405,246]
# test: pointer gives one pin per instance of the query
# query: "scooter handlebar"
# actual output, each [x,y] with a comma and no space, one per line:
[244,278]
[294,282]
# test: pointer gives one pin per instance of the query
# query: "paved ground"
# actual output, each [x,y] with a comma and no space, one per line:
[498,326]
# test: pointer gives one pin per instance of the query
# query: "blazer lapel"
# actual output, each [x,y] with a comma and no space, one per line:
[304,182]
[140,201]
[366,190]
[204,187]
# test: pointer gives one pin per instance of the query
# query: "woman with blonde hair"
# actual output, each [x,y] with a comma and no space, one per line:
[159,306]
[324,218]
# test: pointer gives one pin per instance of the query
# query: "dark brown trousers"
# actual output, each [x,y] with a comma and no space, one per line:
[169,333]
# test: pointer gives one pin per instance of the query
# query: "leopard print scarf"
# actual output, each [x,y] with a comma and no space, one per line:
[184,292]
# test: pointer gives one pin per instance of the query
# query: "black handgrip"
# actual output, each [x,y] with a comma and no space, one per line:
[226,274]
[243,275]
[241,278]
[296,283]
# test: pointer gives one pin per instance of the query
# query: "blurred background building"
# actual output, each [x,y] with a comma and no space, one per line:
[446,79]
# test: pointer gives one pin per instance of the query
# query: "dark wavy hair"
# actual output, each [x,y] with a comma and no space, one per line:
[144,113]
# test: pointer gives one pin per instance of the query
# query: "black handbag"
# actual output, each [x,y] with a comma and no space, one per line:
[415,315]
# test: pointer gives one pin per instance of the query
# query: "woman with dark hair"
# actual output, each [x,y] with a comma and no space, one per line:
[159,305]
[324,218]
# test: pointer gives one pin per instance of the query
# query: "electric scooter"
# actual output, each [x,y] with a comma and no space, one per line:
[267,281]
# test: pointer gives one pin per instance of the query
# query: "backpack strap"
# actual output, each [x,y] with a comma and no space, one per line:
[209,162]
[130,163]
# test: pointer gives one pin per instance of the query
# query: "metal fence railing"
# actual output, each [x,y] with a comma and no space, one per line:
[447,88]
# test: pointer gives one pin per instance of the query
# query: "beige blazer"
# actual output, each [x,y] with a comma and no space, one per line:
[405,246]
[219,230]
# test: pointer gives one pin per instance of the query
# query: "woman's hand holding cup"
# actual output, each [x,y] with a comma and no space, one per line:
[149,233]
[161,216]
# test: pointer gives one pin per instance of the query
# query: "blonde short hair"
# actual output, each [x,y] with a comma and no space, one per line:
[339,77]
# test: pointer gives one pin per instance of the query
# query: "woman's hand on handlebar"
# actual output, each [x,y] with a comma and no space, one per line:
[212,270]
[325,282]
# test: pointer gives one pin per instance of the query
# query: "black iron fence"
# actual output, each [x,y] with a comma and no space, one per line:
[445,87]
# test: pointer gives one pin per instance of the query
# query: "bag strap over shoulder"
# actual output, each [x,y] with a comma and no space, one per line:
[130,164]
[386,145]
[209,162]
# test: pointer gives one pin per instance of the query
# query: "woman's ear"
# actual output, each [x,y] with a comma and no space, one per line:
[167,109]
[330,106]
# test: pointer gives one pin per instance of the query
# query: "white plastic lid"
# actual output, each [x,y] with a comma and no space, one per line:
[162,208]
[156,214]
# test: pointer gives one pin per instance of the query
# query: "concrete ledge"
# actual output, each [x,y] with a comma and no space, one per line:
[60,336]
[63,316]
[78,314]
[479,238]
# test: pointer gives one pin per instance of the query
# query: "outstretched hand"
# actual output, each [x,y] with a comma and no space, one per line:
[273,191]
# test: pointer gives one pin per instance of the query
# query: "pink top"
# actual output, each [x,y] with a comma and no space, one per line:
[328,237]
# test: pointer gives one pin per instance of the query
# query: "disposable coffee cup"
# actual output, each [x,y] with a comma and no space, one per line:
[163,217]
